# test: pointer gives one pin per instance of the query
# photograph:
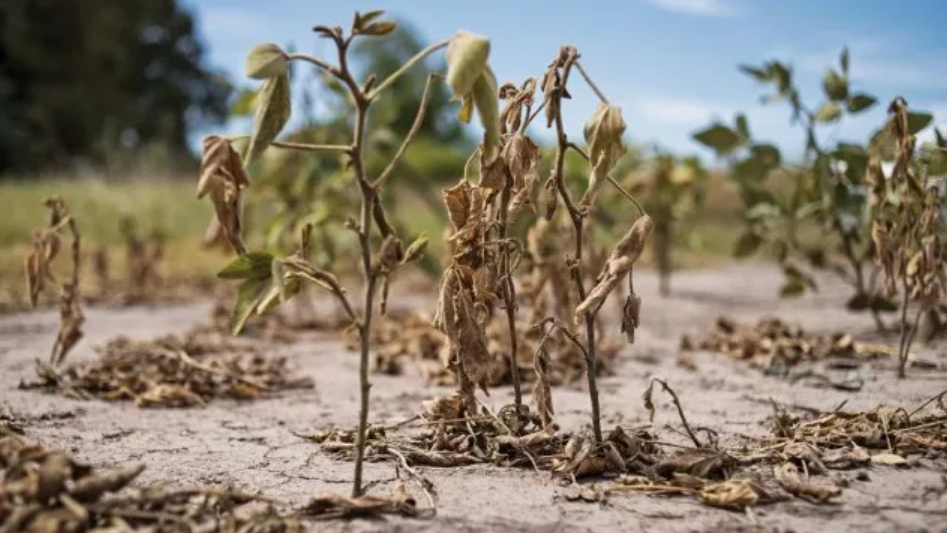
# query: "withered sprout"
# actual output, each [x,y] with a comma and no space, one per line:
[603,133]
[46,245]
[268,281]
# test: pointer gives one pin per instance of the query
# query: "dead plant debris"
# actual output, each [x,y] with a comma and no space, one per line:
[776,347]
[174,371]
[48,491]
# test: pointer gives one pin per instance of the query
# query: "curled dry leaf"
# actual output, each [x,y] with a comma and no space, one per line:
[619,264]
[603,133]
[787,476]
[733,494]
[223,180]
[522,156]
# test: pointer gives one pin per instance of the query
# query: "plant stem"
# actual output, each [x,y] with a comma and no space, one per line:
[369,275]
[588,80]
[415,128]
[576,263]
[902,346]
[509,292]
[406,67]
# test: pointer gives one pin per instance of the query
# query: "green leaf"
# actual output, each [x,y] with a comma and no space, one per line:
[860,102]
[718,137]
[743,127]
[829,112]
[792,287]
[768,154]
[415,249]
[254,265]
[918,120]
[843,60]
[379,29]
[272,113]
[243,104]
[266,61]
[760,74]
[248,297]
[835,85]
[746,245]
[362,20]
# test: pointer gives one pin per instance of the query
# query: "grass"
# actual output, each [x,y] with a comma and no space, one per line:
[169,205]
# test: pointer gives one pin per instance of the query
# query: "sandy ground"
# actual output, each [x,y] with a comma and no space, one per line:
[253,445]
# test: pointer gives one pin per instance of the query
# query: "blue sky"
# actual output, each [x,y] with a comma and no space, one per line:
[670,64]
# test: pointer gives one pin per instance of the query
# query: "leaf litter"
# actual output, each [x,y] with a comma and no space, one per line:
[186,370]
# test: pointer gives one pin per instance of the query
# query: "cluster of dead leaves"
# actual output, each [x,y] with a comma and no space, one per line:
[410,337]
[774,346]
[47,491]
[175,371]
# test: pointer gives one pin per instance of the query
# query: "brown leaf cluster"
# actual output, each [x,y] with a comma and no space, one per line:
[773,345]
[173,371]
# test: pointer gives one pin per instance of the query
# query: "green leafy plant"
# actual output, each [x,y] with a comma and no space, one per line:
[267,280]
[827,191]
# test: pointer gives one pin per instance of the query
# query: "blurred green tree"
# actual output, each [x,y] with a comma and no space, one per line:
[80,81]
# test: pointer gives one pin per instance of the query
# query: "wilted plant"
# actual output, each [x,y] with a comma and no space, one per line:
[38,270]
[672,191]
[907,227]
[269,281]
[828,190]
[483,255]
[142,257]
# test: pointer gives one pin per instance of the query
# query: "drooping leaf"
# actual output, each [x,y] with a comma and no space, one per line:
[760,74]
[860,102]
[415,249]
[265,61]
[254,265]
[273,110]
[249,295]
[843,60]
[467,55]
[485,101]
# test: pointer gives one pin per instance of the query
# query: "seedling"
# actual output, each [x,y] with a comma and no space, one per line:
[268,281]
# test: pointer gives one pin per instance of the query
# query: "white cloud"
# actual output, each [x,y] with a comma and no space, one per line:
[704,8]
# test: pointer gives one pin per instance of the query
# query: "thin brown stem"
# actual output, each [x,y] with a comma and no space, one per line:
[577,218]
[314,61]
[588,80]
[902,346]
[509,292]
[415,128]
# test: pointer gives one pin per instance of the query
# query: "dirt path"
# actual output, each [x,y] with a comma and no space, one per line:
[253,444]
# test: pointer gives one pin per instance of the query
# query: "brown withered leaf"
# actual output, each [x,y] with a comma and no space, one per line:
[619,264]
[787,476]
[223,180]
[493,175]
[522,158]
[732,494]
